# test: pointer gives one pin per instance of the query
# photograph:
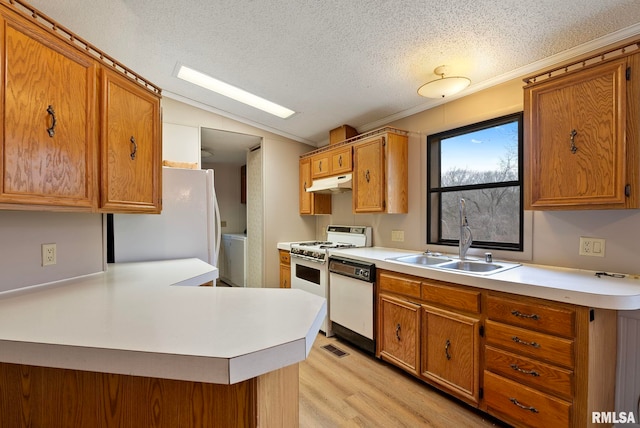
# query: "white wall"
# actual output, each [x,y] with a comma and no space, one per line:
[78,238]
[555,236]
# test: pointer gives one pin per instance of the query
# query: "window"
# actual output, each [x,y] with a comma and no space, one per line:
[481,163]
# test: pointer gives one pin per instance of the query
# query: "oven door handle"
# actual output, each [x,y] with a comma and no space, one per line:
[311,259]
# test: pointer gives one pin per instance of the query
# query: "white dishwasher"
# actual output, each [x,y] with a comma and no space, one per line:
[351,299]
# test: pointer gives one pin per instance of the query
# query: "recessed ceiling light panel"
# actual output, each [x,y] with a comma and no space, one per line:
[230,91]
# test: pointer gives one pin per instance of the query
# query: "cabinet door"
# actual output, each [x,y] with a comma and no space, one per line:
[368,181]
[341,161]
[399,332]
[451,348]
[131,147]
[320,165]
[576,139]
[49,145]
[305,181]
[311,203]
[285,276]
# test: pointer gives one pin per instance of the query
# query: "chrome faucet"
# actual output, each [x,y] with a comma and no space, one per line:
[465,232]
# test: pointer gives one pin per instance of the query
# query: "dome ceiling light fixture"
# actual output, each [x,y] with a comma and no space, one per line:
[444,86]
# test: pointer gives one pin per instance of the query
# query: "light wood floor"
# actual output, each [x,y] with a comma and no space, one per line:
[358,390]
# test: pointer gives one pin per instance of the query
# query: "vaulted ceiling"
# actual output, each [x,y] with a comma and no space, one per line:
[357,62]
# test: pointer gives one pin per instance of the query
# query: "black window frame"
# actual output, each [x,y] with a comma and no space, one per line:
[435,139]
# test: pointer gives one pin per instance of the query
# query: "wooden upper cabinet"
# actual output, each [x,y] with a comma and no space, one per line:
[131,146]
[380,174]
[311,203]
[49,146]
[581,151]
[341,160]
[332,162]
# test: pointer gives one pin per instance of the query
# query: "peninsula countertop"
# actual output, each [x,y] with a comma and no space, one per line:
[579,287]
[141,319]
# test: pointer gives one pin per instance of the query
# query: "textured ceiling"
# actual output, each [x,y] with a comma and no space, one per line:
[357,62]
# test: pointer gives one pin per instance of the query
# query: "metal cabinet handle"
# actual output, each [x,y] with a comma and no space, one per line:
[367,176]
[529,372]
[446,349]
[523,342]
[320,165]
[52,129]
[134,150]
[572,136]
[398,332]
[522,406]
[340,160]
[305,186]
[519,314]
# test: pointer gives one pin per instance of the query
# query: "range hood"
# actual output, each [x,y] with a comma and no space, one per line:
[339,183]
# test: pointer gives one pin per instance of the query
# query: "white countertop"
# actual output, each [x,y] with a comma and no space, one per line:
[140,319]
[579,287]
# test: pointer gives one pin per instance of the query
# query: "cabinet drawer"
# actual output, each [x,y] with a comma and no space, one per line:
[524,405]
[285,257]
[541,346]
[464,300]
[530,372]
[397,283]
[546,318]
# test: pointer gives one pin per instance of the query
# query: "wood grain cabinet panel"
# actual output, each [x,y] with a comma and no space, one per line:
[580,151]
[49,146]
[71,122]
[524,406]
[399,326]
[310,203]
[527,361]
[285,268]
[451,348]
[131,153]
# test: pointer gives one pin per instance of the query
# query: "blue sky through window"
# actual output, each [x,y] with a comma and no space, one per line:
[480,150]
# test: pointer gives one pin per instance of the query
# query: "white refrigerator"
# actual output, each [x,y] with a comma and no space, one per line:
[189,225]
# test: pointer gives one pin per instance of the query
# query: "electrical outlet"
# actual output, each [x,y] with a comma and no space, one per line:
[591,247]
[49,256]
[397,235]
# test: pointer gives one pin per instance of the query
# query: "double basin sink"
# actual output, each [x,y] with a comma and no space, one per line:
[443,262]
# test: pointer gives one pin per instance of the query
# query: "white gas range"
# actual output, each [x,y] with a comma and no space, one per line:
[309,267]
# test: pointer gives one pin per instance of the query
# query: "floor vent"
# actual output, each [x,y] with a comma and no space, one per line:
[335,350]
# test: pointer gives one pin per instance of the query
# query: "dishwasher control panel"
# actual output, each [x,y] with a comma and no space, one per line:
[353,268]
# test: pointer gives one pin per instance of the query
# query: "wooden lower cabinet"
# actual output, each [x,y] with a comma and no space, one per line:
[527,361]
[399,341]
[285,269]
[450,351]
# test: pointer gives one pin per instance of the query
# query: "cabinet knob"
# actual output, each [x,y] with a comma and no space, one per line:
[52,129]
[572,136]
[134,148]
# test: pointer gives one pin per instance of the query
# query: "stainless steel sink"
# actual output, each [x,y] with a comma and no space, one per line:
[422,259]
[477,266]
